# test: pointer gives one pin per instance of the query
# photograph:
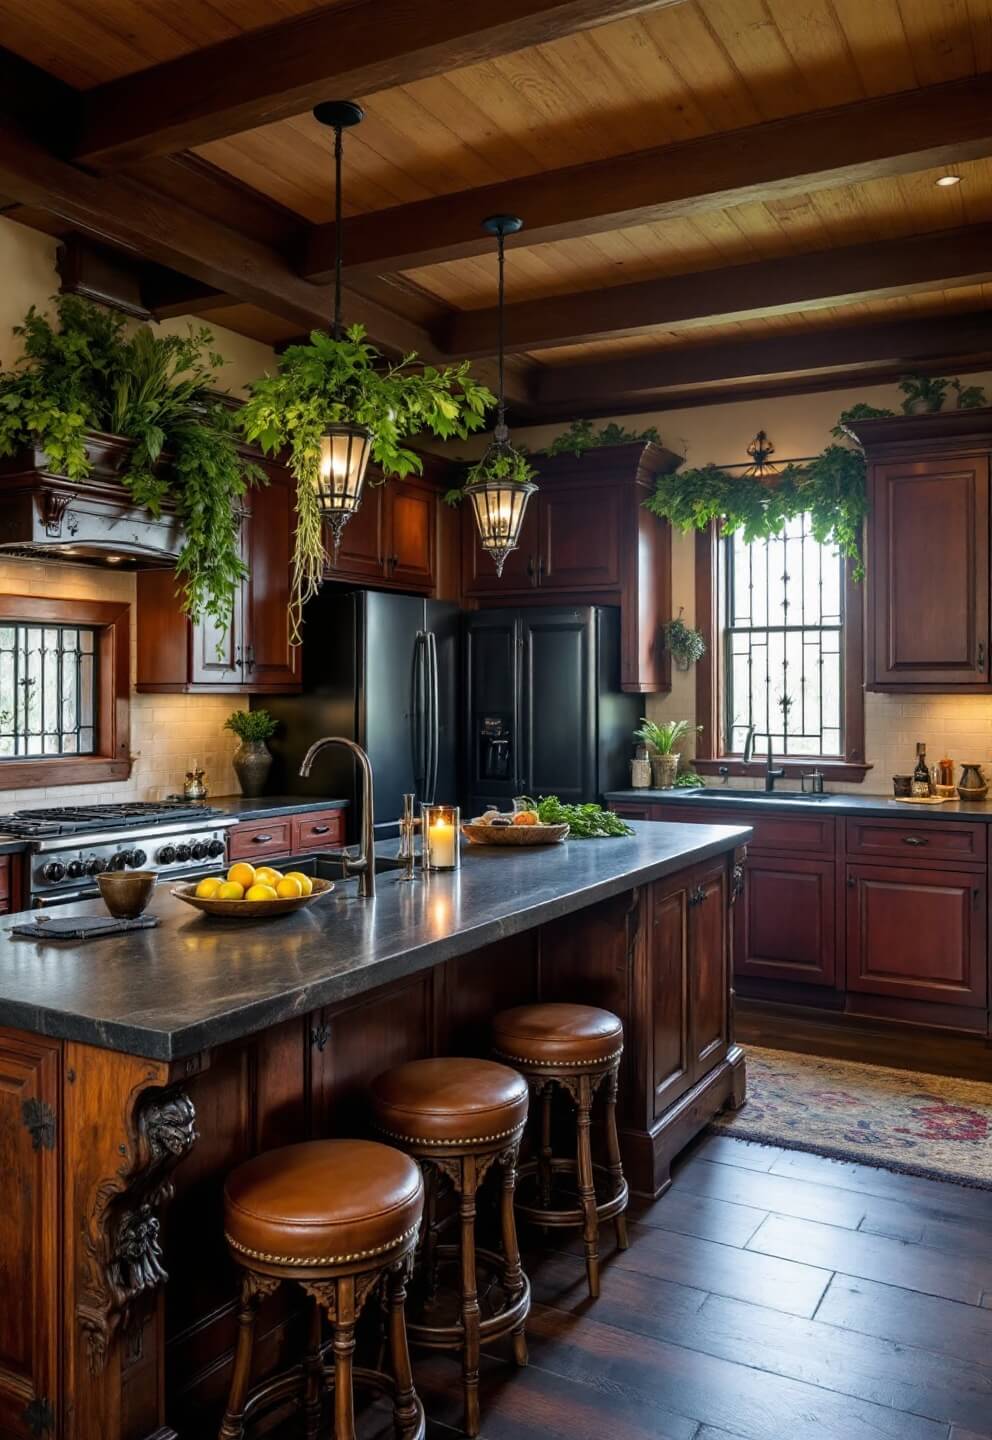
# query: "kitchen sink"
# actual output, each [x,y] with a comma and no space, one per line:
[762,797]
[331,867]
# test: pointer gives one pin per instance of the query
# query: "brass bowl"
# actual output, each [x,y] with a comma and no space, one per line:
[126,893]
[251,909]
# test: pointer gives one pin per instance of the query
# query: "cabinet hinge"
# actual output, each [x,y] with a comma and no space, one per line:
[319,1036]
[39,1119]
[39,1417]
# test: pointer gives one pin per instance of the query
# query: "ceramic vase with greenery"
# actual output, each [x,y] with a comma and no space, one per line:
[89,372]
[252,759]
[347,381]
[661,741]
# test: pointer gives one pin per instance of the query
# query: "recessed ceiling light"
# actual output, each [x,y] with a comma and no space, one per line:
[944,180]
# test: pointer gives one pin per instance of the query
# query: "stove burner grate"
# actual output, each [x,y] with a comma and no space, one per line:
[77,819]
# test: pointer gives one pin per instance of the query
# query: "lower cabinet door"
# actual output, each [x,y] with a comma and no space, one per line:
[917,934]
[668,969]
[30,1335]
[784,926]
[708,905]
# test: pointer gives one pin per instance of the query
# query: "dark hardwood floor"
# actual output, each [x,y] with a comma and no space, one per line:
[770,1295]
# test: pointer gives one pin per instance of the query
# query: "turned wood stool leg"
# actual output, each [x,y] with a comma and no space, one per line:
[252,1289]
[544,1162]
[471,1313]
[313,1371]
[587,1187]
[513,1274]
[613,1152]
[406,1413]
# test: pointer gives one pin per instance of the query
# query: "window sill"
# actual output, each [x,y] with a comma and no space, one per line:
[62,770]
[846,770]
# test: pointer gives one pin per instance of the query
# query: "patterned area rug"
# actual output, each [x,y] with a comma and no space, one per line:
[896,1119]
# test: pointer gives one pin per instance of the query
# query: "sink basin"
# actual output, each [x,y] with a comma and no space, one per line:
[331,867]
[762,797]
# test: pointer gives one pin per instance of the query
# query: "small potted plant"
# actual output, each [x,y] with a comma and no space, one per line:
[685,645]
[252,759]
[661,740]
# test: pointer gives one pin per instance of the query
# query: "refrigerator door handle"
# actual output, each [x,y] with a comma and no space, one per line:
[421,721]
[434,728]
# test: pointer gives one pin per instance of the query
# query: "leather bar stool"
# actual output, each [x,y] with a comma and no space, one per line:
[574,1048]
[338,1218]
[458,1118]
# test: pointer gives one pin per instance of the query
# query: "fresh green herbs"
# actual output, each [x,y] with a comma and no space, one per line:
[330,381]
[87,372]
[689,780]
[586,822]
[250,725]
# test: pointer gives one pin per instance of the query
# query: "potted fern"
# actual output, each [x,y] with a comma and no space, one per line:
[661,741]
[252,760]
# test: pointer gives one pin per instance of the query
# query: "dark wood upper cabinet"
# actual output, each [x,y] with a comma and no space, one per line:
[928,551]
[392,543]
[587,538]
[361,555]
[411,535]
[253,655]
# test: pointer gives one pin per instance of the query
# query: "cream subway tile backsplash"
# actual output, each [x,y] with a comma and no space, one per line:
[168,732]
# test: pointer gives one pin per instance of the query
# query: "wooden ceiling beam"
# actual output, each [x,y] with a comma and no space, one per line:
[849,144]
[345,50]
[130,216]
[918,341]
[942,259]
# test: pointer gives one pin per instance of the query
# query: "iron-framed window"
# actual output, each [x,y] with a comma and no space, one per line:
[784,643]
[48,689]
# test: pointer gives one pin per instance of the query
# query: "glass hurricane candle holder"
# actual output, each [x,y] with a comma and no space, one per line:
[440,828]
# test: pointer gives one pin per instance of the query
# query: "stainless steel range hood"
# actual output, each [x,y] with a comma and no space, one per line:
[93,520]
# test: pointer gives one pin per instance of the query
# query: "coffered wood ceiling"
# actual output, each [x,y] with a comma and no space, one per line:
[716,192]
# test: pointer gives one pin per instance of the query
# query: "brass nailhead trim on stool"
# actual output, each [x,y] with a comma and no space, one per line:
[321,1259]
[453,1144]
[561,1064]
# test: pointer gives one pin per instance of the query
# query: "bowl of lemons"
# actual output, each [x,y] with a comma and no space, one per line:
[250,892]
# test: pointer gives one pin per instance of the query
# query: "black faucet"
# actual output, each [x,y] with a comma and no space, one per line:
[771,774]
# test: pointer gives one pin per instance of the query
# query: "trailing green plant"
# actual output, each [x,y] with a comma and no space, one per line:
[87,372]
[251,725]
[663,738]
[686,645]
[329,381]
[581,436]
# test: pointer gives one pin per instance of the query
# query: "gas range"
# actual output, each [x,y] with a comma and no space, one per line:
[69,846]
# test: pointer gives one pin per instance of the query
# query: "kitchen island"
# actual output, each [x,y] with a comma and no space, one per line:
[137,1070]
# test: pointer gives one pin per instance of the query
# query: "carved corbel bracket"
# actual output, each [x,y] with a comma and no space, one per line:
[53,507]
[122,1255]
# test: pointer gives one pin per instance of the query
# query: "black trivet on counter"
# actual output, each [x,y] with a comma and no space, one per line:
[81,927]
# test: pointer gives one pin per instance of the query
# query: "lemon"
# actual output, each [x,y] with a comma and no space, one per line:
[208,887]
[289,888]
[265,875]
[306,884]
[242,874]
[230,890]
[261,892]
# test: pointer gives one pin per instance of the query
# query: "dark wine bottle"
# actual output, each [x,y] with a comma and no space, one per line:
[921,775]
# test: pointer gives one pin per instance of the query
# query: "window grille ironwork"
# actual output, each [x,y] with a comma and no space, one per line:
[47,690]
[783,642]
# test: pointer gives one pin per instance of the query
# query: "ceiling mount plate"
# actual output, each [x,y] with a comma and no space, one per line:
[502,224]
[338,114]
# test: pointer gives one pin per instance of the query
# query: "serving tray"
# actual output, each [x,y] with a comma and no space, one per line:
[514,834]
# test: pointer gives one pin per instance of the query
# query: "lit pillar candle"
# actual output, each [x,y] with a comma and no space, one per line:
[442,844]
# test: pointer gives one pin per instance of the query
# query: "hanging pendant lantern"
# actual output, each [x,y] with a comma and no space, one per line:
[344,447]
[499,501]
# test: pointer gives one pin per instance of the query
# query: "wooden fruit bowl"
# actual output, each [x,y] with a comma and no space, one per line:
[514,834]
[251,909]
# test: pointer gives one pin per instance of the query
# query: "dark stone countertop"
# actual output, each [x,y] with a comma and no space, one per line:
[12,845]
[832,804]
[195,982]
[264,807]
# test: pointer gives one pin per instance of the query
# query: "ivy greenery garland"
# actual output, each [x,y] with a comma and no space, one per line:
[329,381]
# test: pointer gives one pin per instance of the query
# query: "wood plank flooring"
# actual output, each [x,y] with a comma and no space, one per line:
[770,1295]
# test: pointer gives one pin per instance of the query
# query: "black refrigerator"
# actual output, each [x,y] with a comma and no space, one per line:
[544,712]
[382,670]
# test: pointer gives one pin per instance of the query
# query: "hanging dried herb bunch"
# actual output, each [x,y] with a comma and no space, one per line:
[685,645]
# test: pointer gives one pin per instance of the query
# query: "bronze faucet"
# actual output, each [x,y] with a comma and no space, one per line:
[363,864]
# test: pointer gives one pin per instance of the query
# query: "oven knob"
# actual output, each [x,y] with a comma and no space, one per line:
[183,852]
[200,850]
[118,861]
[75,869]
[136,858]
[166,855]
[53,871]
[216,847]
[95,866]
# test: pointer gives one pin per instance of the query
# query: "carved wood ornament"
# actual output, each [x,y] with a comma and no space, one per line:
[122,1253]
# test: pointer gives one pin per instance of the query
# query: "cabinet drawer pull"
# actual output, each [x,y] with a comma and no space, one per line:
[260,839]
[851,882]
[914,840]
[319,829]
[981,657]
[974,895]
